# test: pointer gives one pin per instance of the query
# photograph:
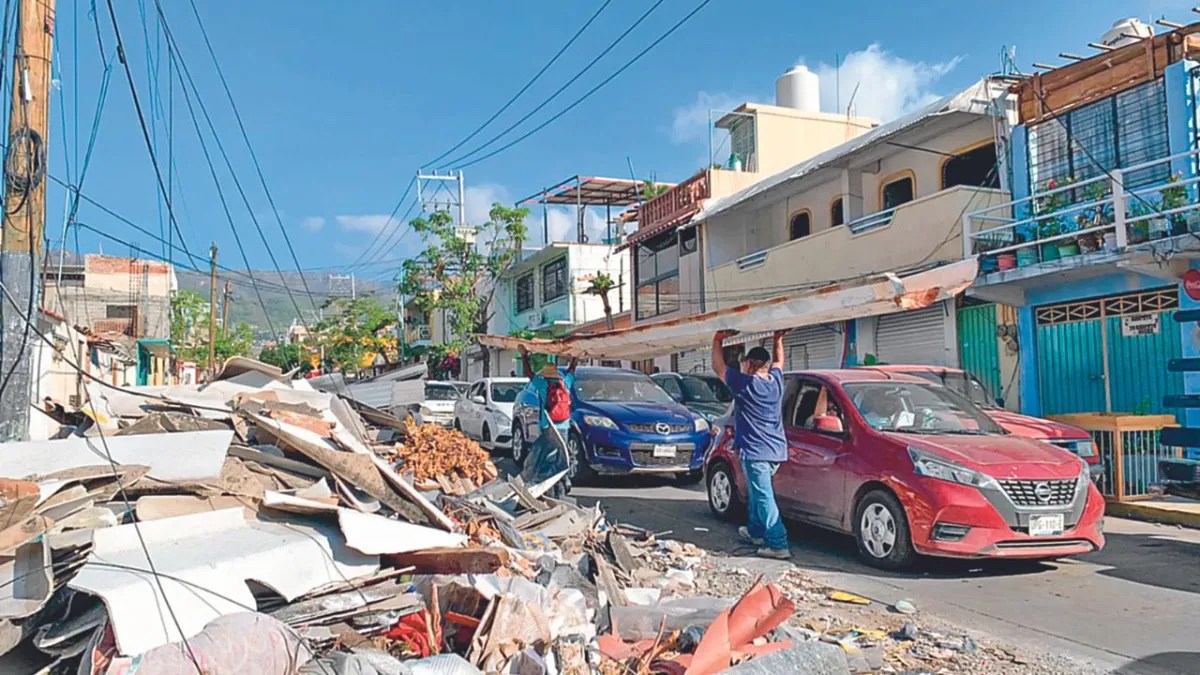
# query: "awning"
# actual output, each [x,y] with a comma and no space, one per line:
[870,296]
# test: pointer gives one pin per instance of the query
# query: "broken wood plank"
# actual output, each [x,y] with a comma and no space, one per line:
[606,581]
[621,552]
[451,560]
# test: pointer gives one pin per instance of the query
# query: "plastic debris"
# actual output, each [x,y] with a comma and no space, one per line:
[843,596]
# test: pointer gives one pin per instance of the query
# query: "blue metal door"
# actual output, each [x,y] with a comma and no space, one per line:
[1108,354]
[978,348]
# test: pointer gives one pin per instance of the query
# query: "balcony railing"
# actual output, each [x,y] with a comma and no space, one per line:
[1097,215]
[680,201]
[918,232]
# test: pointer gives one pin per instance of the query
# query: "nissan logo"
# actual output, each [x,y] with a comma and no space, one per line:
[1043,492]
[662,428]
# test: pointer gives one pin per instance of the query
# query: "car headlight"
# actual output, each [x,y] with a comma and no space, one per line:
[599,421]
[426,411]
[934,466]
[1085,448]
[700,424]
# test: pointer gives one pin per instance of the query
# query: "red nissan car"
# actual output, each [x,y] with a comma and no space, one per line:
[911,467]
[1064,436]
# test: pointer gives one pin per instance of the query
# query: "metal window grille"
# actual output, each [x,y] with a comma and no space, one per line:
[525,293]
[1161,300]
[554,280]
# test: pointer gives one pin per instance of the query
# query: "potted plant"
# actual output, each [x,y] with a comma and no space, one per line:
[1095,216]
[1139,230]
[1174,197]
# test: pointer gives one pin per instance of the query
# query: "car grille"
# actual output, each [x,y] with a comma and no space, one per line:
[643,455]
[1025,492]
[649,428]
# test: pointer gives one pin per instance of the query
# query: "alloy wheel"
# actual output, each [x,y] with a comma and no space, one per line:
[878,530]
[720,491]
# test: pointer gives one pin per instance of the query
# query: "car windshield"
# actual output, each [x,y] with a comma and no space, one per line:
[506,392]
[964,383]
[619,387]
[909,407]
[441,392]
[705,390]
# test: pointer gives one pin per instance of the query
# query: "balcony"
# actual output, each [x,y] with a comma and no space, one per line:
[681,201]
[922,231]
[1090,224]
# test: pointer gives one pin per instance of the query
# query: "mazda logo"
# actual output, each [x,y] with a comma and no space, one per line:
[662,428]
[1043,492]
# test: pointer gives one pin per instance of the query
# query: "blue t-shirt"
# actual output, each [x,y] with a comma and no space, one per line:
[758,415]
[540,387]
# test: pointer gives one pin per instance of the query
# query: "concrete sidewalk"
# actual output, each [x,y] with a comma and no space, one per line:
[1168,510]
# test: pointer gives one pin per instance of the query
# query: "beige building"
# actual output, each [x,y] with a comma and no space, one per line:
[113,295]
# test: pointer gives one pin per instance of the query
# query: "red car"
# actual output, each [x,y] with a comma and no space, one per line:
[911,467]
[1064,436]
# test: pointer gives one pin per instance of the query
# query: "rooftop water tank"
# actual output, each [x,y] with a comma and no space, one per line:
[1126,31]
[798,88]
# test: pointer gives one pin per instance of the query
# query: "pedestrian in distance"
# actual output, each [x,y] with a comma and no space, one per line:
[758,437]
[550,454]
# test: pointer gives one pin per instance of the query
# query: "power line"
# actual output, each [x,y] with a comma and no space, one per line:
[399,203]
[525,88]
[245,137]
[612,45]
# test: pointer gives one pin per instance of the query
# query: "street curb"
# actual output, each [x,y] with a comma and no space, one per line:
[1153,514]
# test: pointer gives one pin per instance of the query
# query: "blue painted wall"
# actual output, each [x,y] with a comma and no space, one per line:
[1018,158]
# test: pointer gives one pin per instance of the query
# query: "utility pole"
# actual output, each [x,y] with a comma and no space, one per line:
[21,245]
[225,305]
[442,198]
[212,315]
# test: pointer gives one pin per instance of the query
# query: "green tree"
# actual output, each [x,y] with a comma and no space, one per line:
[286,357]
[354,330]
[458,274]
[189,331]
[601,285]
[650,189]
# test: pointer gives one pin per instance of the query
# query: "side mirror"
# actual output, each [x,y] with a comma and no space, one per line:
[828,424]
[478,399]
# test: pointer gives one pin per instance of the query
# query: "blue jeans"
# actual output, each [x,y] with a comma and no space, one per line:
[765,522]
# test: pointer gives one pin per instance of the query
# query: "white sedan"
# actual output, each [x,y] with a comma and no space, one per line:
[485,412]
[440,398]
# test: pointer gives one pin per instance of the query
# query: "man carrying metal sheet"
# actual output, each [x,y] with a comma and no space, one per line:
[758,437]
[550,453]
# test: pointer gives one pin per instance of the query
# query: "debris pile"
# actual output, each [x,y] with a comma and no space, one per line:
[256,524]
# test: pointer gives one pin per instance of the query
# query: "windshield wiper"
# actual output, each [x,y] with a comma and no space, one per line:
[956,432]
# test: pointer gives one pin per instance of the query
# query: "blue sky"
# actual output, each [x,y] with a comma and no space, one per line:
[343,101]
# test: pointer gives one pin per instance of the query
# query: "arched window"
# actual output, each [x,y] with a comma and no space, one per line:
[800,225]
[898,189]
[837,214]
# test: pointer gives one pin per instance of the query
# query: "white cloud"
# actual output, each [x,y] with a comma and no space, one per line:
[313,223]
[563,224]
[479,200]
[690,122]
[888,85]
[371,224]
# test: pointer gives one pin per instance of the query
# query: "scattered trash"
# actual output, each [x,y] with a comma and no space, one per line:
[904,607]
[842,596]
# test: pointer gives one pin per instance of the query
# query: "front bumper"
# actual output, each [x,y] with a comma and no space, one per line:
[445,419]
[959,521]
[620,452]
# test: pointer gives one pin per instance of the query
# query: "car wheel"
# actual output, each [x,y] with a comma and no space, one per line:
[881,529]
[722,492]
[518,445]
[689,478]
[579,470]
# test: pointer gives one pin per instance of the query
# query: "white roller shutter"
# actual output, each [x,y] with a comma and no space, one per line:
[917,337]
[813,347]
[694,361]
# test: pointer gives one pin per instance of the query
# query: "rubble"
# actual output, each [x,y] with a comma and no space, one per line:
[255,524]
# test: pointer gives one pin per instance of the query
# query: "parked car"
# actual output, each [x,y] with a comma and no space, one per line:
[485,412]
[705,395]
[1064,436]
[910,467]
[438,406]
[622,422]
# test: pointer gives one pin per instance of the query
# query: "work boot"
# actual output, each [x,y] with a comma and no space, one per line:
[774,553]
[744,534]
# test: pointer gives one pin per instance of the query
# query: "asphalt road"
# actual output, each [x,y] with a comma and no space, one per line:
[1132,608]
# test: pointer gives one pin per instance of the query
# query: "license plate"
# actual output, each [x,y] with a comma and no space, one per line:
[664,451]
[1043,526]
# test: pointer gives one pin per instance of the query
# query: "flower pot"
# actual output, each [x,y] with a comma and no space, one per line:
[1159,227]
[1178,225]
[1110,241]
[1193,221]
[1090,242]
[1027,256]
[1049,252]
[1067,248]
[988,264]
[1006,261]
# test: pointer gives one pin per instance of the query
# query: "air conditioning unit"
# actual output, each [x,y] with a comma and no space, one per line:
[536,319]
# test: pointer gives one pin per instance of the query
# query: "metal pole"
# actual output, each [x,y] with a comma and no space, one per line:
[462,208]
[225,305]
[579,210]
[212,314]
[545,220]
[25,218]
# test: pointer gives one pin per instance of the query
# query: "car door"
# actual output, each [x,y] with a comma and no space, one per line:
[470,420]
[813,476]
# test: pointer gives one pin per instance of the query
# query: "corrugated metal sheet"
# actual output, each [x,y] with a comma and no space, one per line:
[1137,367]
[917,337]
[813,347]
[978,346]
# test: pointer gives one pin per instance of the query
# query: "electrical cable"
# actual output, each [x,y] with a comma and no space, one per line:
[384,252]
[137,105]
[457,162]
[525,88]
[399,203]
[245,137]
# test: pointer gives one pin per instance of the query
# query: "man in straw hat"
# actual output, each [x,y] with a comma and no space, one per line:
[553,389]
